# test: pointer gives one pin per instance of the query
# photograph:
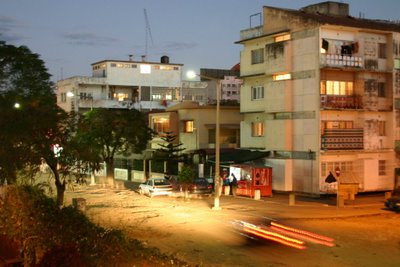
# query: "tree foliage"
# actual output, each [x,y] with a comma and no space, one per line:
[112,131]
[169,150]
[29,130]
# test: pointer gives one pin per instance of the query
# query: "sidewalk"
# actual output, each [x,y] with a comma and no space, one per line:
[278,206]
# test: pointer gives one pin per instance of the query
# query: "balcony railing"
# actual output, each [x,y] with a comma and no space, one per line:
[341,102]
[342,139]
[345,61]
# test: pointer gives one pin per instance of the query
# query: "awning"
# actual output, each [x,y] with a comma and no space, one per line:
[240,156]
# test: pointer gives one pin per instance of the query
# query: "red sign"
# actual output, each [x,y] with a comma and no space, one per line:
[337,171]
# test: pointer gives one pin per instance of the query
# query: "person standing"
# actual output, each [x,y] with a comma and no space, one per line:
[233,185]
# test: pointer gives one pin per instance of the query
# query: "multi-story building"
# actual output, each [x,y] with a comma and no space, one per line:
[195,125]
[123,84]
[322,93]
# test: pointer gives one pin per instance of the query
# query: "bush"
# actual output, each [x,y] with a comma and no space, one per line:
[29,216]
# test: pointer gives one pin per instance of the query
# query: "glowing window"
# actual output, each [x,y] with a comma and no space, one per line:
[257,129]
[283,37]
[281,77]
[120,96]
[145,69]
[161,125]
[336,88]
[188,126]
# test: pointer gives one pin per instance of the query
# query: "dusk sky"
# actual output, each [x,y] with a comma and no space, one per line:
[71,35]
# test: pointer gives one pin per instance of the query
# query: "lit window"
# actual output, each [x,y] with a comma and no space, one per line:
[161,125]
[120,96]
[257,129]
[336,88]
[188,126]
[164,67]
[145,69]
[281,77]
[257,92]
[283,37]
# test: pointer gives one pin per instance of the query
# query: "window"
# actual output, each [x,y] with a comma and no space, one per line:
[257,56]
[382,50]
[164,67]
[188,126]
[257,92]
[63,97]
[382,167]
[145,69]
[257,129]
[281,77]
[381,90]
[161,125]
[120,96]
[336,125]
[344,167]
[382,128]
[397,64]
[336,88]
[283,37]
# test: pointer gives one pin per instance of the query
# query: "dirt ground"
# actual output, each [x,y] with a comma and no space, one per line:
[193,232]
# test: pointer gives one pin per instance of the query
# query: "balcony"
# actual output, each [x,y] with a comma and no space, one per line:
[341,61]
[341,102]
[342,139]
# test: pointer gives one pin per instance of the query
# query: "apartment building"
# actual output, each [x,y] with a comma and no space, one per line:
[123,84]
[321,94]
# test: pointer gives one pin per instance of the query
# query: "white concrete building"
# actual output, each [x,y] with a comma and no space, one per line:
[322,93]
[123,84]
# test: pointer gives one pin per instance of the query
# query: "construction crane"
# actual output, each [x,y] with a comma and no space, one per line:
[148,33]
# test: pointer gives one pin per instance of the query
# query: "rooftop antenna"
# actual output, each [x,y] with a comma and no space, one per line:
[148,33]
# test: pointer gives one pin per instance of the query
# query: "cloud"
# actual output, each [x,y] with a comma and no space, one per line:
[7,29]
[89,39]
[179,46]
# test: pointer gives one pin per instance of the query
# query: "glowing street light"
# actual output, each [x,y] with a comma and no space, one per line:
[217,179]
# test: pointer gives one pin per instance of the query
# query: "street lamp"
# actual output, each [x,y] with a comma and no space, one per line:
[217,179]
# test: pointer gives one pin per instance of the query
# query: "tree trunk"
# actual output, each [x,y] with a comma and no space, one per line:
[59,185]
[110,173]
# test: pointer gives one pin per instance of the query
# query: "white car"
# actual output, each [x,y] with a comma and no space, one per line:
[156,187]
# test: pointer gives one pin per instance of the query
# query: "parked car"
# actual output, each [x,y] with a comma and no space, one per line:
[200,186]
[393,203]
[156,187]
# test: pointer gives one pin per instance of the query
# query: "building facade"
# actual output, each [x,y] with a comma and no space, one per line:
[140,85]
[321,92]
[195,125]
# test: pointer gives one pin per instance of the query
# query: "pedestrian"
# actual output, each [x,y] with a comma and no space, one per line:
[233,185]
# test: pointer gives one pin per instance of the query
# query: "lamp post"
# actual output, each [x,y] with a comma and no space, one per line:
[217,179]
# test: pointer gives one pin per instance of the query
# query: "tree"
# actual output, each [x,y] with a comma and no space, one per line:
[31,123]
[169,150]
[112,131]
[185,177]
